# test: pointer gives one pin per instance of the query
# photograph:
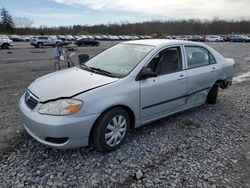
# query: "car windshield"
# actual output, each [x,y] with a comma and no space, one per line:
[119,60]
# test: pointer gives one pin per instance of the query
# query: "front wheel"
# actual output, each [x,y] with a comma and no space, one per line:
[111,130]
[5,46]
[212,95]
[40,45]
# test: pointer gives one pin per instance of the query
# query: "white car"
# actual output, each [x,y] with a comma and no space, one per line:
[40,42]
[214,38]
[5,42]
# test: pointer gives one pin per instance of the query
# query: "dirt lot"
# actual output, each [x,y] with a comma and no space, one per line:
[205,147]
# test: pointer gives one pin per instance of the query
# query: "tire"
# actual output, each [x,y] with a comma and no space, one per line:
[40,45]
[212,95]
[105,132]
[5,46]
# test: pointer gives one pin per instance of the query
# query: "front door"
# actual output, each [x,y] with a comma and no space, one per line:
[165,93]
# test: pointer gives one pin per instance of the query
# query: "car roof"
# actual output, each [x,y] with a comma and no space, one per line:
[159,42]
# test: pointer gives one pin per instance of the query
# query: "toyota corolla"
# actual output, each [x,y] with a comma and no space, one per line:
[124,87]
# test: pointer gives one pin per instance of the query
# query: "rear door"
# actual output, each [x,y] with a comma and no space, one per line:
[165,93]
[202,71]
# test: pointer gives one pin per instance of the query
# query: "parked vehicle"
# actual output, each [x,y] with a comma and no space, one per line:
[214,38]
[16,38]
[5,42]
[182,37]
[237,38]
[124,87]
[26,38]
[61,37]
[197,38]
[247,38]
[87,42]
[40,42]
[69,37]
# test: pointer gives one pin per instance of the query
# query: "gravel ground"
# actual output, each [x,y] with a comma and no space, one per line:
[208,146]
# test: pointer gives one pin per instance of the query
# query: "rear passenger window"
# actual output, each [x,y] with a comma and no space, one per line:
[198,57]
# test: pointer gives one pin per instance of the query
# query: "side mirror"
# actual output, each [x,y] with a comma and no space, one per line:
[146,73]
[83,58]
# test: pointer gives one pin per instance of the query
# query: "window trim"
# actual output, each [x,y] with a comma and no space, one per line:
[184,46]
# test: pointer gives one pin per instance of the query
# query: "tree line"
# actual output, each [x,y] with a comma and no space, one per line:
[23,26]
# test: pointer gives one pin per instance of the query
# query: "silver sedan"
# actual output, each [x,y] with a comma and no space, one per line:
[124,87]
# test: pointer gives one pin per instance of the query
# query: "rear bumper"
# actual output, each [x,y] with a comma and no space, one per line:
[74,130]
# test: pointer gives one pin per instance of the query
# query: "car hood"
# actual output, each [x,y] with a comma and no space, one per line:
[67,83]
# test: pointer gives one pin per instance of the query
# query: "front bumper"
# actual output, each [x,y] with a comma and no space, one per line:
[74,129]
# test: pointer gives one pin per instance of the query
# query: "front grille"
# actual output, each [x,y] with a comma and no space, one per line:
[30,101]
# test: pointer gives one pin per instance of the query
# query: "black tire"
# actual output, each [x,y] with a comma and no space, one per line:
[212,95]
[40,45]
[98,140]
[5,46]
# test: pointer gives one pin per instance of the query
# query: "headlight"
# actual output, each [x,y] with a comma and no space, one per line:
[61,107]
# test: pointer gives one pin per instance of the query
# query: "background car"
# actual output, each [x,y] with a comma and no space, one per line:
[5,42]
[182,37]
[40,42]
[87,42]
[238,38]
[197,38]
[214,38]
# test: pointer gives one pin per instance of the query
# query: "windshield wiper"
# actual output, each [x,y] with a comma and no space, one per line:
[86,67]
[98,70]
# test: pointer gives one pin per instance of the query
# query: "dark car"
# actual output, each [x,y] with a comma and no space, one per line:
[239,38]
[87,42]
[197,38]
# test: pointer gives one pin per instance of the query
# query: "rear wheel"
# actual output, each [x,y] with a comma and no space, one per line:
[212,95]
[111,130]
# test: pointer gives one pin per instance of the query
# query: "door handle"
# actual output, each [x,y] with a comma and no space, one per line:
[181,77]
[213,69]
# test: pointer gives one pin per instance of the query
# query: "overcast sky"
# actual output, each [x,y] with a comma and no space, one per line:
[71,12]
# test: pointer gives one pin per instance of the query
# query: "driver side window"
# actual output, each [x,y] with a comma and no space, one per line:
[166,61]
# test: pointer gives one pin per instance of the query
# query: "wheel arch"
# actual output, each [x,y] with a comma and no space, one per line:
[223,84]
[5,44]
[126,108]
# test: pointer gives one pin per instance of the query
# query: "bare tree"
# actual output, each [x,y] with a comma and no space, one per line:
[23,22]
